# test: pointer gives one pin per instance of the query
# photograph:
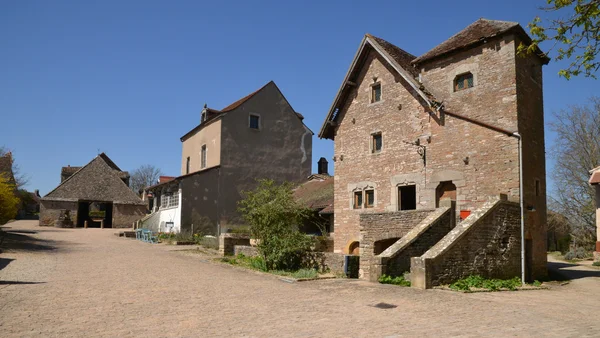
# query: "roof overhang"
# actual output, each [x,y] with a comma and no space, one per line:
[366,43]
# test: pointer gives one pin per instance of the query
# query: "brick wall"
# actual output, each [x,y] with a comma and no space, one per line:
[487,243]
[380,230]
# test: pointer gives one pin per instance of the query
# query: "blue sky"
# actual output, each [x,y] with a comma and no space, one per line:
[129,78]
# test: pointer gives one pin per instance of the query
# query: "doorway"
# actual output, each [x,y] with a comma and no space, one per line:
[93,213]
[445,190]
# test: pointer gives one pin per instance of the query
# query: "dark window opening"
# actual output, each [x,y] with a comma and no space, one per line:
[537,188]
[376,93]
[203,157]
[187,165]
[463,81]
[358,200]
[407,197]
[376,143]
[254,121]
[369,198]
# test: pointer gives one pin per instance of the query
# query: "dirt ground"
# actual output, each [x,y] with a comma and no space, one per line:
[88,282]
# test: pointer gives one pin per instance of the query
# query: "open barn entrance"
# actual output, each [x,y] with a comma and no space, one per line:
[97,214]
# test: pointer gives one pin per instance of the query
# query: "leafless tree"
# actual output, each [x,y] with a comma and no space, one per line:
[577,151]
[21,179]
[144,176]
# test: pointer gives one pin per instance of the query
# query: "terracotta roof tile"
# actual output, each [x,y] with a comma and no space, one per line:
[475,32]
[316,193]
[402,57]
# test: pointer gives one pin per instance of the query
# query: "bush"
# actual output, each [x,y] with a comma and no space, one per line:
[596,263]
[97,214]
[9,202]
[479,282]
[274,217]
[578,253]
[399,280]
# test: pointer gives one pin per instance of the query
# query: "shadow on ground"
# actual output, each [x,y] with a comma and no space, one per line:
[566,271]
[23,241]
[4,262]
[14,282]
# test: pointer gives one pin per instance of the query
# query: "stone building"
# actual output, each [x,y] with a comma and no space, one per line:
[96,194]
[410,132]
[257,136]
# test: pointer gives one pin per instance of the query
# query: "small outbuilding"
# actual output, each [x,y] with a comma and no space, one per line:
[95,195]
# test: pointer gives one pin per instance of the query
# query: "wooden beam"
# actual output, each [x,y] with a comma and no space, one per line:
[350,83]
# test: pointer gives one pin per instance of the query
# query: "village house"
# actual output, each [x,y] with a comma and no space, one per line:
[595,182]
[95,195]
[316,194]
[442,130]
[258,136]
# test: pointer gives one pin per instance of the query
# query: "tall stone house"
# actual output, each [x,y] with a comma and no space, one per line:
[410,132]
[257,136]
[95,195]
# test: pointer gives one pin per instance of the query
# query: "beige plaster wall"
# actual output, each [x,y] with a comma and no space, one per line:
[191,147]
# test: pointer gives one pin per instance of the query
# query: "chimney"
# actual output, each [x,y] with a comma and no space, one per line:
[322,166]
[37,192]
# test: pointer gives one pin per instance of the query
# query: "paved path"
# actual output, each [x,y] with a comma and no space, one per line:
[76,283]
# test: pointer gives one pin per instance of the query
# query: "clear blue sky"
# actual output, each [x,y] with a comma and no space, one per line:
[129,78]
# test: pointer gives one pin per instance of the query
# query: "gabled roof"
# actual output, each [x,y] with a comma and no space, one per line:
[214,114]
[397,58]
[6,167]
[475,33]
[99,180]
[316,193]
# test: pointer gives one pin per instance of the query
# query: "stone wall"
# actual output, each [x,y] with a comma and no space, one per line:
[378,227]
[50,211]
[124,215]
[395,260]
[152,222]
[486,243]
[246,250]
[227,243]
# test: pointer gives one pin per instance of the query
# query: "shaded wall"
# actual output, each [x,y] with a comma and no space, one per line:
[200,202]
[124,215]
[50,211]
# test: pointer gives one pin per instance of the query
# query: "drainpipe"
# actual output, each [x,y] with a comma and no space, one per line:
[522,202]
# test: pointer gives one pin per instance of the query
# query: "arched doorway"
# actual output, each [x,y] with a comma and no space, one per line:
[354,248]
[445,190]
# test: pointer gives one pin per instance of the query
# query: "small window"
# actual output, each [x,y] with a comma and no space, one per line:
[537,188]
[254,122]
[463,81]
[407,197]
[369,198]
[203,157]
[376,143]
[203,117]
[187,165]
[358,200]
[376,93]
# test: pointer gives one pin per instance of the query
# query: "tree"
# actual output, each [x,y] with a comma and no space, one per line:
[21,179]
[9,203]
[577,151]
[274,216]
[144,176]
[576,35]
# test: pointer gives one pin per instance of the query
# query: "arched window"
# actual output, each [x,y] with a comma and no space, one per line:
[463,81]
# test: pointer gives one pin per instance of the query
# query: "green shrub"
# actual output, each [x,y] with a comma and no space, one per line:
[399,280]
[596,263]
[305,274]
[97,214]
[578,253]
[479,282]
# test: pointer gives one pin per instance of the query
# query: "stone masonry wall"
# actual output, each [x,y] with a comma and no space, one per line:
[50,211]
[375,227]
[479,161]
[124,215]
[227,243]
[395,260]
[487,243]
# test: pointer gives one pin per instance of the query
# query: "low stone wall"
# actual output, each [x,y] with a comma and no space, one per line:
[391,226]
[395,260]
[486,243]
[227,243]
[50,211]
[245,250]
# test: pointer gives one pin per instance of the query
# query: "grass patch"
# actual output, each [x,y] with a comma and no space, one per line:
[478,282]
[399,280]
[257,263]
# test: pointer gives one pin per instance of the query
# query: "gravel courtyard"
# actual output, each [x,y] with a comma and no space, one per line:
[75,283]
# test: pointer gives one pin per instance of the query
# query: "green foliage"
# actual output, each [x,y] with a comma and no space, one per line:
[274,216]
[258,263]
[596,263]
[97,214]
[578,253]
[537,283]
[9,202]
[479,282]
[577,35]
[399,280]
[243,230]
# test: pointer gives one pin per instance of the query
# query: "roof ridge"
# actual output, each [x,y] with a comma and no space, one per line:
[241,101]
[386,41]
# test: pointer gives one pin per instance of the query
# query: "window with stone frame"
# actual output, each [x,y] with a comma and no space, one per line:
[375,92]
[376,142]
[358,199]
[369,198]
[463,81]
[203,157]
[407,197]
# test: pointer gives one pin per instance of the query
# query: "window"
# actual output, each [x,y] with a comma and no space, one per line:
[203,157]
[407,197]
[358,200]
[169,200]
[203,117]
[187,165]
[376,143]
[537,188]
[369,198]
[463,81]
[376,92]
[254,122]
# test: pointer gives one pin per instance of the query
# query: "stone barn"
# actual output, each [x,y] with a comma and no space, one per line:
[95,195]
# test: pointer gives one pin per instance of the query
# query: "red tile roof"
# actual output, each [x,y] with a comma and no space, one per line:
[316,192]
[164,179]
[402,57]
